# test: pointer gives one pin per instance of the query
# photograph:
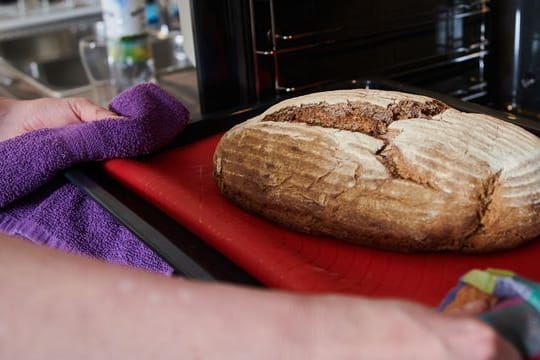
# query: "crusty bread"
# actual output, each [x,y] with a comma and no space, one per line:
[386,169]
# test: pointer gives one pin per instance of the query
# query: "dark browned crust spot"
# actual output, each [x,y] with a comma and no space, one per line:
[353,116]
[357,116]
[408,109]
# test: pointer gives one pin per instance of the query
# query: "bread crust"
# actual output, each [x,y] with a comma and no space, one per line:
[426,177]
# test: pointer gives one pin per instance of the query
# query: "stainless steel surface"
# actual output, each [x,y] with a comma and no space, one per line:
[184,86]
[516,60]
[181,84]
[47,15]
[49,62]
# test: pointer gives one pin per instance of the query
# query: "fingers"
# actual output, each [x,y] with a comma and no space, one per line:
[471,308]
[86,111]
[21,116]
[470,301]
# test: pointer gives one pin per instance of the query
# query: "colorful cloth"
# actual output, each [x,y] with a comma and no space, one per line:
[511,305]
[38,204]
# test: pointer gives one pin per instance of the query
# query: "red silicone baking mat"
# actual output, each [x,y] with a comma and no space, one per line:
[180,183]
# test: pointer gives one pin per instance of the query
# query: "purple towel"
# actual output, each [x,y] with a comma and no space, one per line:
[39,205]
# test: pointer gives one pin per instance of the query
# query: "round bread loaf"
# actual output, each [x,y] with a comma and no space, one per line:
[386,169]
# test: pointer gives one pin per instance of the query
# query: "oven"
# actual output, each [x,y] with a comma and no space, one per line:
[250,54]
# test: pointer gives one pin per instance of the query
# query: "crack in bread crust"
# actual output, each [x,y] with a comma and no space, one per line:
[357,116]
[388,157]
[489,185]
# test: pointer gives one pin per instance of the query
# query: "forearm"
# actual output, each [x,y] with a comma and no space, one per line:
[55,305]
[71,305]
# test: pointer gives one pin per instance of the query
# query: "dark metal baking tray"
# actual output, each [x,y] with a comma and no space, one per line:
[189,255]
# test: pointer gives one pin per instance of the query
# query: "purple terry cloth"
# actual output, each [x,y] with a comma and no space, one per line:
[38,204]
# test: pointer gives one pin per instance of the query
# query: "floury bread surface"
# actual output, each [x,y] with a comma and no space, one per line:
[386,169]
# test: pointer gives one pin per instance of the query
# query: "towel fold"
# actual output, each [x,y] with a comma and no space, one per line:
[38,204]
[511,305]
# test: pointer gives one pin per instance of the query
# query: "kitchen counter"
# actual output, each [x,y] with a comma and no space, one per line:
[53,16]
[181,84]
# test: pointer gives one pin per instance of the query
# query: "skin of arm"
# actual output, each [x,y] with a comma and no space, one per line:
[55,305]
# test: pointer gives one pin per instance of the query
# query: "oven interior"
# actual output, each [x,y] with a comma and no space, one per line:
[250,51]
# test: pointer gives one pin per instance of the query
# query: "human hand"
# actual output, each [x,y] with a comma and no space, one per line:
[470,301]
[388,329]
[20,116]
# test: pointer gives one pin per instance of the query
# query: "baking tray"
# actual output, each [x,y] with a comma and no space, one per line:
[171,202]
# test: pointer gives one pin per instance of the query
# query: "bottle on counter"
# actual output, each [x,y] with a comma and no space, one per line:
[129,45]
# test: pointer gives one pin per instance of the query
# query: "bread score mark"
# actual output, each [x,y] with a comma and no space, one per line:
[357,116]
[367,118]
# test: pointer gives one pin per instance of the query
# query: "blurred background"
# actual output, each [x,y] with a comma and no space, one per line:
[222,55]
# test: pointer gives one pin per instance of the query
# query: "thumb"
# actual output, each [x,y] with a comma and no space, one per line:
[87,111]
